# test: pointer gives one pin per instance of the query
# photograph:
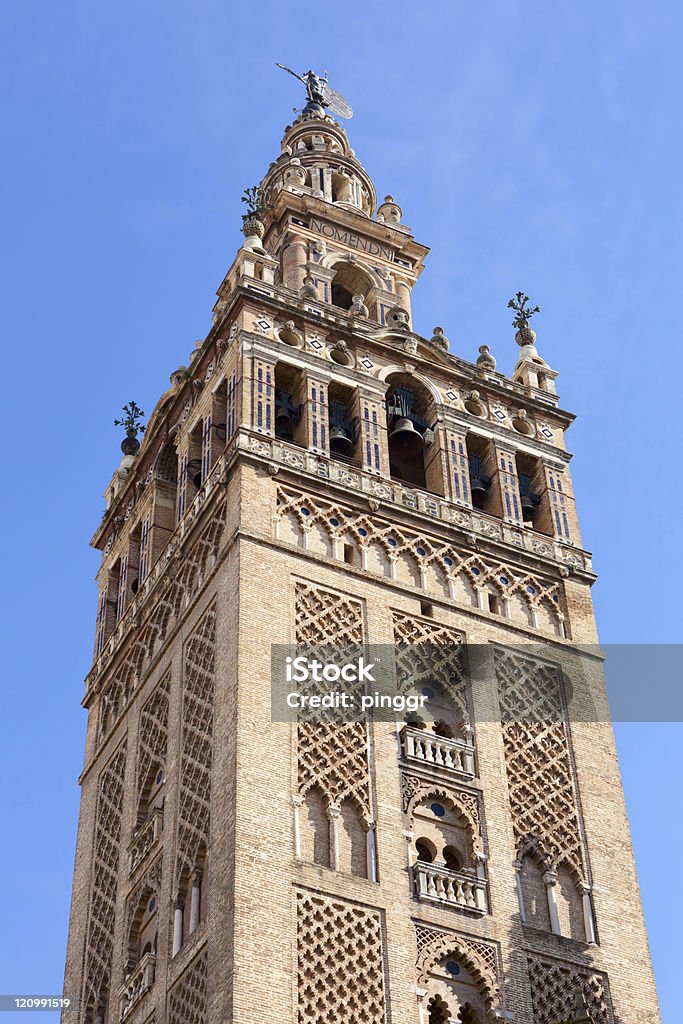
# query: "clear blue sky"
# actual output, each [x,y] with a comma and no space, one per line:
[532,145]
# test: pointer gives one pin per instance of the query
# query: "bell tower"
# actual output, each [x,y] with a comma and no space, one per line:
[319,473]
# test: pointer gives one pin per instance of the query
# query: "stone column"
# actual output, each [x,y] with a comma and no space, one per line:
[195,898]
[296,804]
[588,920]
[371,849]
[520,894]
[421,1007]
[177,927]
[550,879]
[333,814]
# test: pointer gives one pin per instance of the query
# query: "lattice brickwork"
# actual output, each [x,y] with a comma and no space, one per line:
[190,574]
[481,958]
[540,778]
[153,731]
[332,757]
[99,942]
[196,750]
[430,654]
[341,967]
[554,987]
[187,1001]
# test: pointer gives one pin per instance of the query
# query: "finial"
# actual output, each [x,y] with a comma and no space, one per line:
[439,339]
[131,422]
[523,313]
[319,94]
[486,361]
[253,227]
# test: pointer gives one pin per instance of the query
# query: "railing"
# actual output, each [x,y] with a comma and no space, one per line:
[137,983]
[146,837]
[454,888]
[426,747]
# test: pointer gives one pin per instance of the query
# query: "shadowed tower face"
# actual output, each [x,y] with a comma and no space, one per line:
[320,473]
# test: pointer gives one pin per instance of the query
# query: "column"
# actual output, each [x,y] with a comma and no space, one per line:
[520,894]
[588,920]
[550,879]
[195,898]
[509,485]
[371,849]
[177,927]
[333,814]
[296,804]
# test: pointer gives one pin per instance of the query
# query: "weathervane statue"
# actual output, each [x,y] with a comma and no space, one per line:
[320,95]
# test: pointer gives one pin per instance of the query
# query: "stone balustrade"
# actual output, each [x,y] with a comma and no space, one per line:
[440,751]
[137,983]
[453,888]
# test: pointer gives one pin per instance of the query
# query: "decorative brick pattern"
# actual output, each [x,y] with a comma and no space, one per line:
[187,999]
[340,957]
[107,847]
[195,767]
[540,778]
[555,985]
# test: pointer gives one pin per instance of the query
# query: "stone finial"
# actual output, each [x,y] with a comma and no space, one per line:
[130,421]
[358,307]
[524,336]
[486,361]
[396,319]
[308,288]
[440,340]
[389,212]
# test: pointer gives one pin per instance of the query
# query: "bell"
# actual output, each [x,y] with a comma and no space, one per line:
[340,442]
[283,423]
[405,441]
[197,480]
[479,489]
[529,506]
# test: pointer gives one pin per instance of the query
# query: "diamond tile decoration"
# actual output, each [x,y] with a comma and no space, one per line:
[547,433]
[315,342]
[451,396]
[367,363]
[262,324]
[499,414]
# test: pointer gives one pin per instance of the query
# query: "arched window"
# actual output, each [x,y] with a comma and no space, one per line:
[426,851]
[315,829]
[438,1012]
[569,905]
[534,893]
[444,835]
[349,280]
[142,936]
[352,841]
[410,417]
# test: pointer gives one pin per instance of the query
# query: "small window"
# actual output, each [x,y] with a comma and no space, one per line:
[349,554]
[427,609]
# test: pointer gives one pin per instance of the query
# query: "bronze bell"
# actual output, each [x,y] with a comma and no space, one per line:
[405,441]
[340,442]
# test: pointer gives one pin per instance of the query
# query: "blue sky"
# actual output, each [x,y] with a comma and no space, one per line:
[533,146]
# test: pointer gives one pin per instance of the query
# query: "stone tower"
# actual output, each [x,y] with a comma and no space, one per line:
[321,473]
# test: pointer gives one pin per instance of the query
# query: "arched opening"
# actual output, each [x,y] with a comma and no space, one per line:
[437,1011]
[444,833]
[152,794]
[289,387]
[343,422]
[348,281]
[315,829]
[569,905]
[425,850]
[352,841]
[452,858]
[410,413]
[534,893]
[142,936]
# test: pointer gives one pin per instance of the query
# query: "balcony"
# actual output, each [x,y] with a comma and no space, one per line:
[425,748]
[137,983]
[146,837]
[451,888]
